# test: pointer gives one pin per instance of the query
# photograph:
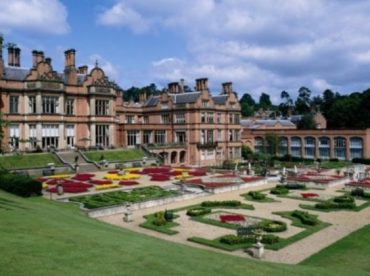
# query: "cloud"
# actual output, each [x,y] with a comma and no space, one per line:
[266,46]
[45,16]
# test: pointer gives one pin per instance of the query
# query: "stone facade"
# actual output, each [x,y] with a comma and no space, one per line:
[82,108]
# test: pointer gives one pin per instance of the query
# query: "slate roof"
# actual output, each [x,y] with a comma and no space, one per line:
[15,73]
[220,99]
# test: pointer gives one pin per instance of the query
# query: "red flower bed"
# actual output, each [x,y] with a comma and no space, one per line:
[128,182]
[309,195]
[101,181]
[72,190]
[231,218]
[160,177]
[156,170]
[198,173]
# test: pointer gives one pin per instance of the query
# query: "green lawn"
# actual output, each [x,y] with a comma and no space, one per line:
[34,160]
[115,155]
[352,251]
[38,237]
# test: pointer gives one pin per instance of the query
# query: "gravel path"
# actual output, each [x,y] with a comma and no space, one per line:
[343,223]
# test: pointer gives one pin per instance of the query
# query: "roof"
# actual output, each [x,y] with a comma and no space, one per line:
[15,73]
[220,99]
[187,97]
[247,123]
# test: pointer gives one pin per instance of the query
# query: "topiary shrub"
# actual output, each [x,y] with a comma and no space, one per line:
[198,211]
[273,226]
[228,203]
[257,195]
[305,217]
[270,239]
[232,239]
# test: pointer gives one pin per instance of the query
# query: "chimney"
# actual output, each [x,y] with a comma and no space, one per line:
[82,70]
[173,87]
[11,56]
[70,59]
[48,60]
[227,88]
[201,84]
[17,57]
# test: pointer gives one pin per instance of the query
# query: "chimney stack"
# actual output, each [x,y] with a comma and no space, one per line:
[227,87]
[82,69]
[173,87]
[201,84]
[17,57]
[70,59]
[11,56]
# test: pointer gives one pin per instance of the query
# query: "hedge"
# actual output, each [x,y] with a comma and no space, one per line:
[21,185]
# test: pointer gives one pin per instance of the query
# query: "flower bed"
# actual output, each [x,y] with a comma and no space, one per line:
[101,181]
[309,195]
[128,182]
[231,218]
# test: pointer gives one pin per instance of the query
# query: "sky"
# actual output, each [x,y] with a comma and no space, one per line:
[261,46]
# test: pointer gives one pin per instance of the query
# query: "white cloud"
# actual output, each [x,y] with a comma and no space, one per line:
[272,45]
[45,16]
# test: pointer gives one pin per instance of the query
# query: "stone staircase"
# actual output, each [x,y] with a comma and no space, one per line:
[70,157]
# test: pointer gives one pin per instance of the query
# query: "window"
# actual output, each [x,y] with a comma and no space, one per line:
[69,106]
[210,118]
[160,137]
[130,119]
[180,118]
[147,137]
[180,137]
[13,104]
[133,137]
[102,107]
[146,120]
[32,104]
[165,119]
[49,104]
[202,117]
[102,135]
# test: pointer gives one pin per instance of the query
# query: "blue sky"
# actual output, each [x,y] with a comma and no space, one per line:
[261,46]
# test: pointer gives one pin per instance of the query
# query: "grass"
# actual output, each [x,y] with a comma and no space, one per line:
[165,229]
[351,251]
[39,237]
[29,160]
[115,155]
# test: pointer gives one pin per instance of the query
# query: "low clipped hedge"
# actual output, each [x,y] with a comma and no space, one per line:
[229,203]
[272,226]
[279,190]
[305,217]
[198,211]
[257,195]
[21,185]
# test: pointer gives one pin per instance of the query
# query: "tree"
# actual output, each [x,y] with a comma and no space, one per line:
[303,102]
[286,104]
[264,101]
[307,122]
[3,124]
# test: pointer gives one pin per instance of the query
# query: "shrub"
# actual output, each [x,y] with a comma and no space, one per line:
[20,185]
[270,239]
[273,226]
[305,217]
[159,219]
[279,190]
[198,211]
[256,195]
[232,239]
[229,203]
